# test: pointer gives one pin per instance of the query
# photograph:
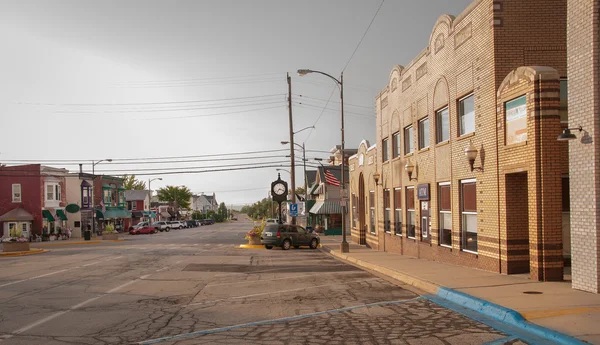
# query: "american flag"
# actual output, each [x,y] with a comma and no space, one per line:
[103,206]
[330,179]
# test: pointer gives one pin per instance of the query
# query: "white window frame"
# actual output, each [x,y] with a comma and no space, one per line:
[17,196]
[387,211]
[440,218]
[463,229]
[414,213]
[86,199]
[425,143]
[461,130]
[56,192]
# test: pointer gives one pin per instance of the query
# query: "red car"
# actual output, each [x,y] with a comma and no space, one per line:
[143,230]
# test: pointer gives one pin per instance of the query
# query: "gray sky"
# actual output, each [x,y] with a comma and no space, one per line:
[77,77]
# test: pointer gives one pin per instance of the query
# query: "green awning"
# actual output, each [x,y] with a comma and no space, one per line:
[327,207]
[99,214]
[308,205]
[46,214]
[116,213]
[61,214]
[313,189]
[106,185]
[121,188]
[150,214]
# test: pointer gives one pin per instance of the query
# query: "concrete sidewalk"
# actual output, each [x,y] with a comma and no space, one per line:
[74,241]
[554,305]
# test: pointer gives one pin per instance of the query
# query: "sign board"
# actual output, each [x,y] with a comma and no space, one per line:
[293,208]
[516,120]
[301,208]
[423,191]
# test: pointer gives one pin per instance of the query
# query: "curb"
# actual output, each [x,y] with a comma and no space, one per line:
[257,246]
[66,243]
[32,251]
[452,299]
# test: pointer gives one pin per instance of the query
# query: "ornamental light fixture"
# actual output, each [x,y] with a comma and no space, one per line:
[376,177]
[471,154]
[566,135]
[410,168]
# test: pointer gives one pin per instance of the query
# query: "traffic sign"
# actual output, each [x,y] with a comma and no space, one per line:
[293,210]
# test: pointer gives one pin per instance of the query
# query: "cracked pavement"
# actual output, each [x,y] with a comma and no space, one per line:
[194,286]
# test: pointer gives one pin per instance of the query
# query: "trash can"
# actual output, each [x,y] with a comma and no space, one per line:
[87,235]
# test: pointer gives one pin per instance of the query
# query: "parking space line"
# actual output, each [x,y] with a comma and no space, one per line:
[267,322]
[279,291]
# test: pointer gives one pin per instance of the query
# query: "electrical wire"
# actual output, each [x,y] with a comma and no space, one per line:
[154,110]
[217,114]
[197,79]
[345,104]
[363,37]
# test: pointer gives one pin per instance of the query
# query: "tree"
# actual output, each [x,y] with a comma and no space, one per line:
[175,196]
[196,215]
[131,183]
[223,210]
[300,191]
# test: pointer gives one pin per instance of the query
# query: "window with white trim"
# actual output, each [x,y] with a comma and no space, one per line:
[53,192]
[372,211]
[445,214]
[466,115]
[387,226]
[134,205]
[469,215]
[398,211]
[442,123]
[16,192]
[410,212]
[86,197]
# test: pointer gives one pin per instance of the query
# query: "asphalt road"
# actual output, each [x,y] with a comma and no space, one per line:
[194,286]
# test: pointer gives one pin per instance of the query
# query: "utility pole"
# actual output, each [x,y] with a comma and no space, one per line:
[292,158]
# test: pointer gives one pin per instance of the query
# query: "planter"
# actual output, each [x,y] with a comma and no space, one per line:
[15,247]
[112,236]
[254,241]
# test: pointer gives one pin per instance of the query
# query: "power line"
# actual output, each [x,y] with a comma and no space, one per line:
[153,110]
[346,112]
[198,79]
[363,37]
[169,85]
[345,104]
[217,114]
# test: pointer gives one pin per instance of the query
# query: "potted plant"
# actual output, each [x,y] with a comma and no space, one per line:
[16,242]
[52,235]
[110,233]
[253,236]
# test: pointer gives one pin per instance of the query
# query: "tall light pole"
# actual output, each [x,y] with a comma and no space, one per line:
[150,190]
[93,191]
[303,161]
[344,247]
[292,158]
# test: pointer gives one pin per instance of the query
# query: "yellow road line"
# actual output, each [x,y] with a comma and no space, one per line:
[540,314]
[30,252]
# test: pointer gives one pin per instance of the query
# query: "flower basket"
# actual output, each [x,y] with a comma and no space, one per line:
[15,245]
[253,236]
[254,241]
[109,233]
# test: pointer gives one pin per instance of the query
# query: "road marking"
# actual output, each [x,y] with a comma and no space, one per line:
[280,291]
[267,322]
[264,280]
[56,272]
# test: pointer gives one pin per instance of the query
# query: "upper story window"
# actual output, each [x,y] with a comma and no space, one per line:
[53,192]
[396,145]
[408,140]
[106,195]
[466,115]
[86,196]
[564,101]
[16,192]
[423,133]
[442,121]
[384,150]
[134,205]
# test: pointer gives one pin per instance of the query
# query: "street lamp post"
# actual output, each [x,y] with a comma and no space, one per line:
[303,161]
[150,190]
[344,247]
[93,191]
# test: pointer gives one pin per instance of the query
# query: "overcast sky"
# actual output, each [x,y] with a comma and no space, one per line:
[87,80]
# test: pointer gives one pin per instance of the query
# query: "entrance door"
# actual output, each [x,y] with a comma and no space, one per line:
[362,223]
[425,221]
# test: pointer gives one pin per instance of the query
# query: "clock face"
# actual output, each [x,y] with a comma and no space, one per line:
[279,189]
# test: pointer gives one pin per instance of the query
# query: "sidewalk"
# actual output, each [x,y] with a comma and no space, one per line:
[554,305]
[74,241]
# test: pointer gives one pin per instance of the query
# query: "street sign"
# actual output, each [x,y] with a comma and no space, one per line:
[293,210]
[301,209]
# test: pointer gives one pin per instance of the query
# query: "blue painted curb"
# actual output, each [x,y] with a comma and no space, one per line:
[505,315]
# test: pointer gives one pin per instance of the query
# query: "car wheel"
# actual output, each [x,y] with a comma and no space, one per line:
[168,229]
[286,245]
[314,243]
[296,247]
[181,227]
[268,246]
[161,230]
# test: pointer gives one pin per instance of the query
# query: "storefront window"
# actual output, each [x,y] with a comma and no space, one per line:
[387,226]
[410,212]
[372,210]
[469,215]
[445,214]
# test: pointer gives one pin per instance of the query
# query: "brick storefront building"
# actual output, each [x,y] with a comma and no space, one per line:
[489,81]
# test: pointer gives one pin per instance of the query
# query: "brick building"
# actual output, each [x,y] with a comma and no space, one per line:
[584,97]
[477,87]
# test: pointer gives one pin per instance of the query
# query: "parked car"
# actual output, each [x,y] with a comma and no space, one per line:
[209,221]
[191,223]
[271,221]
[175,224]
[143,230]
[287,235]
[161,226]
[234,218]
[139,225]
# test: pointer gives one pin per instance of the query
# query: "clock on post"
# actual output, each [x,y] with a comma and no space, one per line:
[279,191]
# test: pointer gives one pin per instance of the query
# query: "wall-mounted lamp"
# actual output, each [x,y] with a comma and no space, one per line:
[567,135]
[471,153]
[376,177]
[410,168]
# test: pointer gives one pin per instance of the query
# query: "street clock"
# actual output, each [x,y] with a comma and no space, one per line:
[279,189]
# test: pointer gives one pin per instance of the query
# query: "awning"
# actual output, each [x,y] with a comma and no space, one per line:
[99,214]
[327,207]
[137,214]
[16,215]
[312,190]
[46,214]
[165,214]
[116,213]
[105,185]
[61,214]
[152,214]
